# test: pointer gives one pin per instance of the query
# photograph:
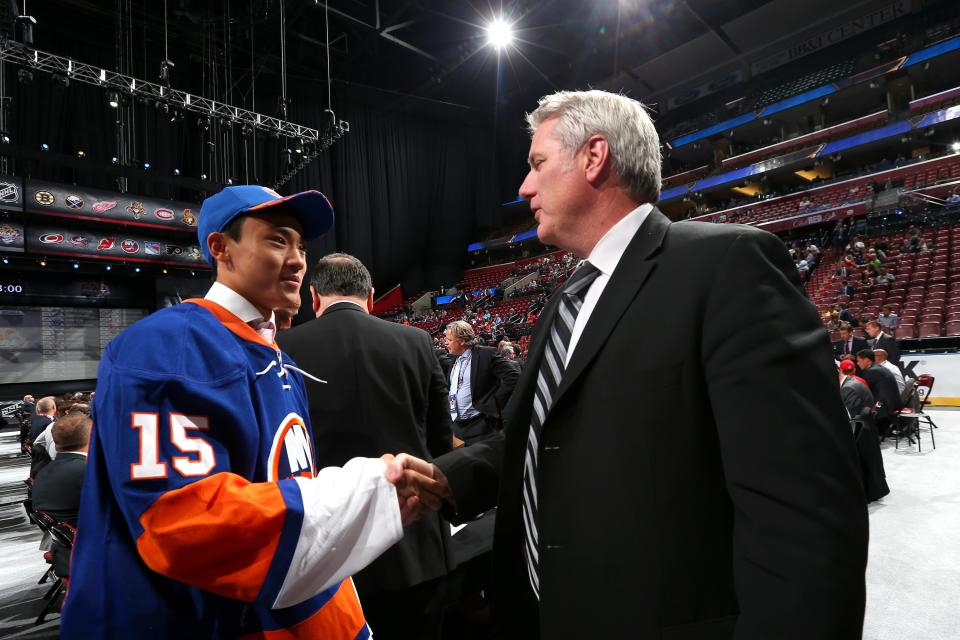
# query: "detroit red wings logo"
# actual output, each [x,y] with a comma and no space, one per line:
[291,454]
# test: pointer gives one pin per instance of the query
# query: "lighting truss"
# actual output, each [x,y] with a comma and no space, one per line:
[16,53]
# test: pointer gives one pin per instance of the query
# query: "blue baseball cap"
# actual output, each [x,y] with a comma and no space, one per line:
[311,207]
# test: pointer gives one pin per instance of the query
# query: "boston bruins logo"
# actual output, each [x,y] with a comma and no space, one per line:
[44,198]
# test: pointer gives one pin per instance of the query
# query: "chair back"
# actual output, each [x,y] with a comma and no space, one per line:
[925,387]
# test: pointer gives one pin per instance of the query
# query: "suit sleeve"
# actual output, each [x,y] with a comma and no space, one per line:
[800,529]
[474,476]
[439,429]
[508,375]
[180,455]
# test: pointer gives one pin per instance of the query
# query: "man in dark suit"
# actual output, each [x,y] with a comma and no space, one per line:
[880,340]
[735,511]
[57,486]
[848,344]
[384,391]
[883,385]
[46,411]
[481,381]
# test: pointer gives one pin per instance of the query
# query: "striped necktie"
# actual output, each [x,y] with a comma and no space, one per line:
[548,380]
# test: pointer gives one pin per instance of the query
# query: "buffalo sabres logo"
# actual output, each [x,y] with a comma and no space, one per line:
[292,452]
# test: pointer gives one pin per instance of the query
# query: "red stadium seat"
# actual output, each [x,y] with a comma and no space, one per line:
[905,331]
[929,330]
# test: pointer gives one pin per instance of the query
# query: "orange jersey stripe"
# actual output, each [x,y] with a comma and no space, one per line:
[341,618]
[219,534]
[233,323]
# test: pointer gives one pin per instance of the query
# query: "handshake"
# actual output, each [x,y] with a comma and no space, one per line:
[421,486]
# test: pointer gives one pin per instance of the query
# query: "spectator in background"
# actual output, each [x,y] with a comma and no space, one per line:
[888,319]
[884,388]
[880,340]
[481,383]
[56,489]
[510,353]
[884,276]
[854,392]
[847,289]
[848,344]
[45,413]
[882,361]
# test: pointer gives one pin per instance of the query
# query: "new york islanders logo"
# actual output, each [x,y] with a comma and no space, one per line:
[292,452]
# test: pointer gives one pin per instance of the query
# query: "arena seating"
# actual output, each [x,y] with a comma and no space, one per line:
[925,293]
[812,80]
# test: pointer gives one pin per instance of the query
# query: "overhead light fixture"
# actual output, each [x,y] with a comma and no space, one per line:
[203,176]
[76,265]
[43,262]
[113,99]
[109,266]
[81,153]
[5,260]
[146,166]
[115,160]
[499,33]
[44,146]
[955,146]
[5,137]
[164,271]
[176,172]
[136,269]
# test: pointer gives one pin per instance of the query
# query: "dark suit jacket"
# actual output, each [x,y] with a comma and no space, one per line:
[38,424]
[385,393]
[56,488]
[697,474]
[889,345]
[884,388]
[492,379]
[840,347]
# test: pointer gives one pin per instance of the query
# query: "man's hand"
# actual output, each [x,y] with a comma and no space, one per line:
[421,486]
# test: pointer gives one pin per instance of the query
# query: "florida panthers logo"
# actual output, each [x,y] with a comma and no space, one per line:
[292,452]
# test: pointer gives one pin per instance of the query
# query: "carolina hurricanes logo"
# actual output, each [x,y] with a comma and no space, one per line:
[292,452]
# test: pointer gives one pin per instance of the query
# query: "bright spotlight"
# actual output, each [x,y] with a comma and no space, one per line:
[499,33]
[955,146]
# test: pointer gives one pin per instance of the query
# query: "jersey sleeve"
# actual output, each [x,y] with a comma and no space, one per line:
[179,456]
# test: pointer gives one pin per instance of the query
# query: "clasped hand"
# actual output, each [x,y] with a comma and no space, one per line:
[421,486]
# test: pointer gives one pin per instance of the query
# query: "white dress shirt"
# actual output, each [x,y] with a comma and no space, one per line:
[605,257]
[243,309]
[895,370]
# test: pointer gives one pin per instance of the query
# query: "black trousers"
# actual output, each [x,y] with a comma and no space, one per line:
[473,429]
[414,613]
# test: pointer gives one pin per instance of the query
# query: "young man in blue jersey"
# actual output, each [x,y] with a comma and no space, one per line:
[203,514]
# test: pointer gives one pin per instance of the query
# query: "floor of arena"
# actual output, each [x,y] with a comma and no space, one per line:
[913,575]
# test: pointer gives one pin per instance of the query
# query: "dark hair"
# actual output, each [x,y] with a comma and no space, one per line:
[72,432]
[845,326]
[341,274]
[868,354]
[874,323]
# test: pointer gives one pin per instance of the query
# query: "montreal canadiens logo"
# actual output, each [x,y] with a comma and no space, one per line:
[164,214]
[292,452]
[51,238]
[130,246]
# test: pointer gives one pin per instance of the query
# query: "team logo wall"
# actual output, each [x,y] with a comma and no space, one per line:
[163,214]
[292,452]
[106,244]
[194,252]
[9,192]
[102,206]
[79,241]
[44,198]
[51,238]
[73,201]
[188,218]
[130,246]
[151,248]
[174,250]
[136,209]
[9,234]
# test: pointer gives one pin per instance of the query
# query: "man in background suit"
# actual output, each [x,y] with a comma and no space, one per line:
[878,339]
[734,513]
[848,344]
[884,388]
[384,391]
[481,381]
[44,414]
[57,486]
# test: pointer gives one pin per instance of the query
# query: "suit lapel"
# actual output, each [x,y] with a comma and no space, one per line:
[631,272]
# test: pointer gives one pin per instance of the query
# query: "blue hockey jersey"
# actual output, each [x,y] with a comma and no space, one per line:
[202,513]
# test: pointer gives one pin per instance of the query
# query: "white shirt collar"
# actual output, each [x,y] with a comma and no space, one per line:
[235,303]
[609,249]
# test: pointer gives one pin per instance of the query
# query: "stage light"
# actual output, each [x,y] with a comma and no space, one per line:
[193,273]
[109,266]
[25,76]
[43,262]
[203,176]
[44,146]
[136,269]
[164,272]
[499,33]
[76,265]
[955,146]
[5,260]
[81,153]
[146,166]
[229,181]
[176,172]
[113,99]
[115,160]
[299,151]
[5,138]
